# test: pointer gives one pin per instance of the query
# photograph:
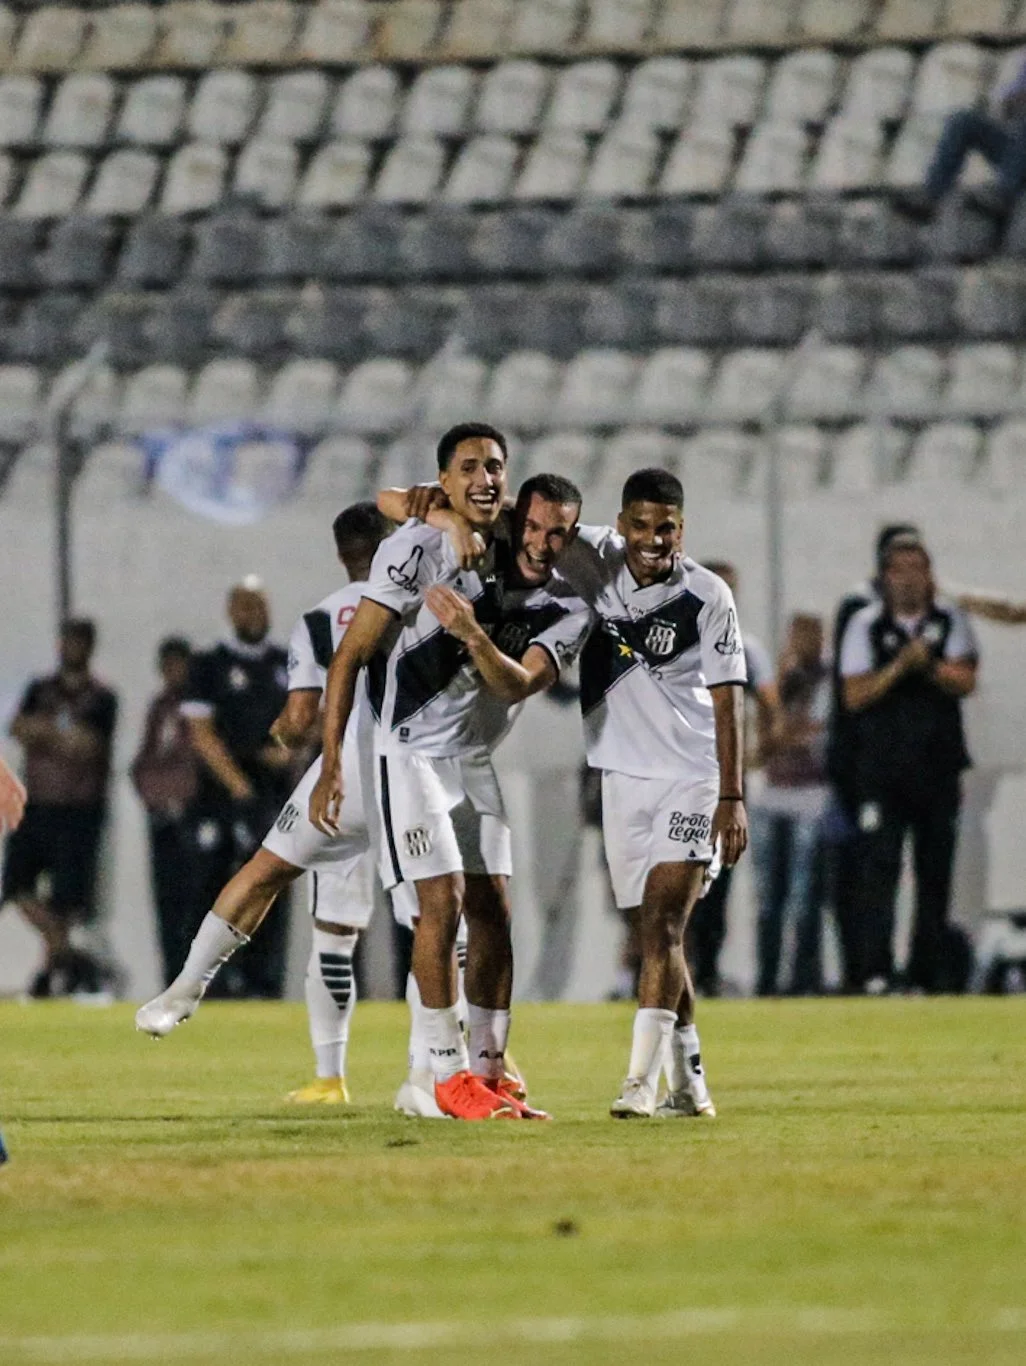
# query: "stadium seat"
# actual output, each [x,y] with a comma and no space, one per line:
[553,168]
[728,235]
[945,455]
[336,176]
[367,104]
[180,323]
[919,307]
[572,454]
[983,380]
[50,39]
[729,91]
[870,233]
[699,162]
[510,243]
[716,459]
[335,31]
[123,185]
[327,323]
[113,470]
[44,331]
[408,28]
[21,99]
[623,164]
[522,390]
[803,87]
[828,384]
[620,315]
[596,389]
[747,385]
[292,245]
[693,312]
[52,186]
[1006,456]
[266,171]
[906,383]
[828,21]
[656,94]
[411,171]
[879,84]
[413,323]
[867,455]
[78,253]
[254,323]
[991,303]
[153,112]
[376,398]
[802,233]
[19,243]
[363,247]
[121,38]
[226,247]
[759,22]
[586,241]
[20,403]
[913,150]
[483,170]
[689,23]
[774,160]
[295,107]
[337,471]
[960,233]
[477,28]
[438,245]
[223,108]
[153,252]
[776,313]
[8,28]
[438,102]
[848,156]
[193,32]
[80,113]
[981,17]
[950,76]
[121,321]
[511,96]
[583,97]
[93,408]
[194,179]
[802,453]
[544,26]
[450,387]
[672,386]
[260,32]
[552,319]
[616,25]
[624,453]
[224,391]
[659,238]
[904,19]
[848,309]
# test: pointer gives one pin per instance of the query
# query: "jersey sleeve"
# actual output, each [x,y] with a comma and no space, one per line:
[722,649]
[302,666]
[856,654]
[961,642]
[564,639]
[200,697]
[404,566]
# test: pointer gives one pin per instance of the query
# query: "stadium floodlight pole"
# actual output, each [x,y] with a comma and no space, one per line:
[62,397]
[769,427]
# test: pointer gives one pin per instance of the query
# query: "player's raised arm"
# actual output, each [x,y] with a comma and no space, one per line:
[429,503]
[511,681]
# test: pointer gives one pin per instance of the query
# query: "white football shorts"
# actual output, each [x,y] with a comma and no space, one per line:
[294,837]
[439,816]
[646,821]
[343,893]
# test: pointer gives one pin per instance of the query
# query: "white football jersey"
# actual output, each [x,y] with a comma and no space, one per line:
[312,645]
[428,696]
[647,667]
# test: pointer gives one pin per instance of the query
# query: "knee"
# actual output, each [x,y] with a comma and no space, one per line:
[663,930]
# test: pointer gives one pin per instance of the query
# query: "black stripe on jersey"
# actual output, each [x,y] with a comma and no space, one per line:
[386,820]
[377,679]
[318,625]
[622,644]
[313,907]
[520,625]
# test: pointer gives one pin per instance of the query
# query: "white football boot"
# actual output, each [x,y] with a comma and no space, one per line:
[692,1099]
[159,1016]
[637,1100]
[416,1097]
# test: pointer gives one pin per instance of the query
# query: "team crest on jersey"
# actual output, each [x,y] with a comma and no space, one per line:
[661,639]
[686,828]
[513,638]
[237,679]
[730,642]
[405,575]
[417,841]
[286,822]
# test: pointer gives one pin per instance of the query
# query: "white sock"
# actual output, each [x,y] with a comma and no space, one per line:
[683,1045]
[214,944]
[652,1030]
[330,999]
[446,1045]
[420,1049]
[489,1030]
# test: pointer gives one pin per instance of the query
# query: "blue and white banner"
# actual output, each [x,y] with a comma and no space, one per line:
[234,473]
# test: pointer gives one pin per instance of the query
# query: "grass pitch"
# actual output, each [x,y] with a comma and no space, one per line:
[861,1198]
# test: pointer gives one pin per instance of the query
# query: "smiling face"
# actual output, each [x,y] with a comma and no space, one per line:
[908,581]
[475,481]
[654,534]
[543,531]
[249,614]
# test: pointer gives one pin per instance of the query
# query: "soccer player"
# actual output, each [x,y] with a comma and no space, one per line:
[341,868]
[444,825]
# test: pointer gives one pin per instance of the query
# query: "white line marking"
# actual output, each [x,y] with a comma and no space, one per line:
[401,1337]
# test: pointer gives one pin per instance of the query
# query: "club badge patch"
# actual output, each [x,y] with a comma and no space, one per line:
[417,841]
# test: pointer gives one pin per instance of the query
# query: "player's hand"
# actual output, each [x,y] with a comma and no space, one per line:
[12,799]
[326,802]
[916,655]
[730,830]
[453,611]
[468,545]
[421,498]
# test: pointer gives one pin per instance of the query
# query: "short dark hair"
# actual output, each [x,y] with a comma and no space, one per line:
[82,627]
[468,431]
[362,523]
[653,486]
[891,532]
[897,544]
[174,645]
[552,488]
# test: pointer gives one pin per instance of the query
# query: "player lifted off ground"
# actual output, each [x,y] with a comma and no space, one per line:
[341,866]
[444,825]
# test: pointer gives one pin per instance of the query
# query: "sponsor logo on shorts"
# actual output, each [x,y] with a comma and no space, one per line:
[661,638]
[689,829]
[417,841]
[286,822]
[405,575]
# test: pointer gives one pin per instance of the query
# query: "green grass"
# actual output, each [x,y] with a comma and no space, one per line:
[862,1196]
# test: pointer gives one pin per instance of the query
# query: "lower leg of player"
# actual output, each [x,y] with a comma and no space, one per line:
[53,928]
[238,911]
[416,1096]
[439,900]
[489,972]
[687,1092]
[330,1001]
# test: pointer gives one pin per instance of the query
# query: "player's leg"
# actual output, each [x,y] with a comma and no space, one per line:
[25,861]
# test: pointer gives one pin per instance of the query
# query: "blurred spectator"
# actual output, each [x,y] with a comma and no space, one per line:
[839,827]
[707,927]
[235,692]
[1002,140]
[165,774]
[787,816]
[907,662]
[66,725]
[12,799]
